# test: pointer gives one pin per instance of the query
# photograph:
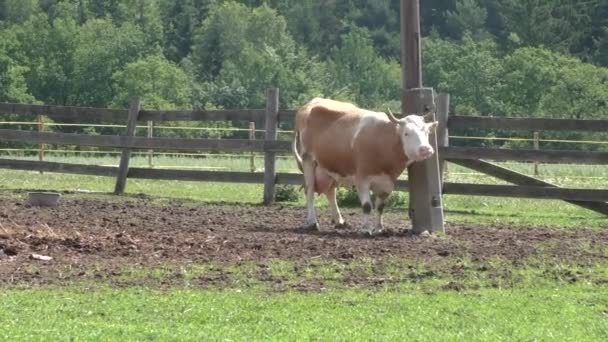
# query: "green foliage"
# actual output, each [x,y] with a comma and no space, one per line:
[470,17]
[161,84]
[13,87]
[360,74]
[347,197]
[495,57]
[48,53]
[103,49]
[250,49]
[287,193]
[18,11]
[468,70]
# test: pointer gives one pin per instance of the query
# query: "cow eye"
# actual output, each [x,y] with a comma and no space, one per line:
[406,134]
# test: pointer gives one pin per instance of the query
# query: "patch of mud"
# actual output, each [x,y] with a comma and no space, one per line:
[97,239]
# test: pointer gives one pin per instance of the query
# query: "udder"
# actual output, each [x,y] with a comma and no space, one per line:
[323,181]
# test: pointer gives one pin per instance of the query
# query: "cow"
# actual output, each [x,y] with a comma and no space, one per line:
[337,143]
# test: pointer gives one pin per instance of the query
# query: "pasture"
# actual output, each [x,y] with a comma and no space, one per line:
[198,260]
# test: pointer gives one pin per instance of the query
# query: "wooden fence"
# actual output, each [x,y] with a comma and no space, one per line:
[271,116]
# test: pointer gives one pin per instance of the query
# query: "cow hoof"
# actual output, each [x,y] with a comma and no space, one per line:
[313,226]
[341,225]
[369,232]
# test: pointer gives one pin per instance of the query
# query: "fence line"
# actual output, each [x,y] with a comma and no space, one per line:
[236,129]
[228,129]
[469,157]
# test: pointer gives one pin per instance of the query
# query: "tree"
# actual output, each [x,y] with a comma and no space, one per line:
[103,49]
[47,51]
[469,70]
[180,19]
[13,87]
[161,84]
[18,11]
[145,14]
[220,38]
[359,72]
[469,16]
[250,49]
[600,55]
[557,24]
[528,73]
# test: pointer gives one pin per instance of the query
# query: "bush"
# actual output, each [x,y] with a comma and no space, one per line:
[286,193]
[348,197]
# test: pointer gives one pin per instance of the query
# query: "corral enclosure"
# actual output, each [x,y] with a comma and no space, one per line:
[144,246]
[272,118]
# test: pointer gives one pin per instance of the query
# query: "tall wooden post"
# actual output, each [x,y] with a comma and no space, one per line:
[426,210]
[536,147]
[40,146]
[270,172]
[150,135]
[123,169]
[443,140]
[252,137]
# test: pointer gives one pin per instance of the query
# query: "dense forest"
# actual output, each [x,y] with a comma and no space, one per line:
[543,58]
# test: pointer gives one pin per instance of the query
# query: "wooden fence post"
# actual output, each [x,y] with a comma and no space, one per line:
[252,137]
[426,208]
[443,137]
[270,172]
[536,147]
[123,169]
[40,146]
[150,135]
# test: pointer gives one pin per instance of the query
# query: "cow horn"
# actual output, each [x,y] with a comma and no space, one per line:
[428,117]
[391,116]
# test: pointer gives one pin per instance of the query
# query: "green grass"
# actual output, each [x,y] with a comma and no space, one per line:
[567,313]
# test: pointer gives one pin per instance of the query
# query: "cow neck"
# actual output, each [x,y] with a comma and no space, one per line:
[398,152]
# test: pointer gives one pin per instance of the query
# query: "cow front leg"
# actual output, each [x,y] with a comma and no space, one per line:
[363,189]
[309,179]
[336,216]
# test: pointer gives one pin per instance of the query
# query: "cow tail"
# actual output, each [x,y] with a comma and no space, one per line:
[296,153]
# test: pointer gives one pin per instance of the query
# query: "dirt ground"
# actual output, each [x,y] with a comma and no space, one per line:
[97,238]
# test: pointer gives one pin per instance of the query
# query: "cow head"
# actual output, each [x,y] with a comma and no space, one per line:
[414,131]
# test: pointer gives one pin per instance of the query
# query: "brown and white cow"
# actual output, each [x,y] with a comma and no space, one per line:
[337,143]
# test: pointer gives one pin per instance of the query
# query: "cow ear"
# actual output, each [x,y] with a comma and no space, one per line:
[428,117]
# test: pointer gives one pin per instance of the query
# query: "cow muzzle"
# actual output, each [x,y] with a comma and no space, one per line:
[425,151]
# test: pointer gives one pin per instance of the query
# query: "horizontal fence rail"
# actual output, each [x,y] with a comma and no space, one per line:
[590,195]
[117,141]
[245,145]
[65,112]
[209,115]
[545,156]
[104,114]
[296,179]
[484,122]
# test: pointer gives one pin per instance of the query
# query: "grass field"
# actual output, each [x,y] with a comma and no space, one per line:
[541,299]
[568,313]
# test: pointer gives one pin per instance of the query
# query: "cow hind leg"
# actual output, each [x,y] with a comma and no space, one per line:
[380,203]
[363,189]
[309,178]
[336,216]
